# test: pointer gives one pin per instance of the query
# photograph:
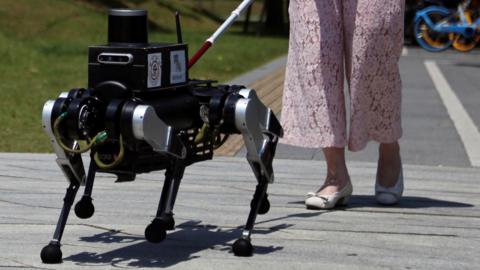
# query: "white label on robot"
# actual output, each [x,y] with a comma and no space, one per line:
[154,70]
[178,67]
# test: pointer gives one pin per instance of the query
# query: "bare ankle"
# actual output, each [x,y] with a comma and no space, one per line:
[389,163]
[336,165]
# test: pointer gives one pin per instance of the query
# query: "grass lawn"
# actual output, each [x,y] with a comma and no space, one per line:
[43,51]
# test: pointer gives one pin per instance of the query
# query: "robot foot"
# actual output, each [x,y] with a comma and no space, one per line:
[84,208]
[51,253]
[156,231]
[242,247]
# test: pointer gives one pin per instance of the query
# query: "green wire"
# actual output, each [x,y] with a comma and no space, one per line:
[117,161]
[98,139]
[206,133]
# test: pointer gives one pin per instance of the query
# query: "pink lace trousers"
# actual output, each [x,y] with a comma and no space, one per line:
[361,39]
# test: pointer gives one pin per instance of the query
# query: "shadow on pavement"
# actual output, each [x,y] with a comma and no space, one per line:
[408,202]
[468,64]
[179,246]
[284,226]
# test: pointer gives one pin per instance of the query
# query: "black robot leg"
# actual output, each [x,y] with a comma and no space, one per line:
[243,246]
[147,126]
[261,130]
[72,167]
[84,208]
[156,231]
[52,252]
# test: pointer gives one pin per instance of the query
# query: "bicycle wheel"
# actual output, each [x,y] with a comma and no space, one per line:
[462,43]
[428,38]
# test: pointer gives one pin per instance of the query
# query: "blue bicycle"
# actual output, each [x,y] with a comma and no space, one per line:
[437,27]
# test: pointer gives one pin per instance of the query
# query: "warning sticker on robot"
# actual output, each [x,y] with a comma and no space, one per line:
[154,70]
[178,67]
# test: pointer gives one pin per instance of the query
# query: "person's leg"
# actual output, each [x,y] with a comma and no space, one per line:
[375,30]
[337,188]
[389,160]
[331,49]
[313,109]
[389,180]
[337,174]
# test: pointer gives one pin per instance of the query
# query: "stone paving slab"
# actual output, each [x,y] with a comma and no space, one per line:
[436,226]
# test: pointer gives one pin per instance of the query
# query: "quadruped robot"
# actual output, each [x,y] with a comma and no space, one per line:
[142,113]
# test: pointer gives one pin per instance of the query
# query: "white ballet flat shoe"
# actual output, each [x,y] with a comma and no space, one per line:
[390,195]
[341,197]
[314,193]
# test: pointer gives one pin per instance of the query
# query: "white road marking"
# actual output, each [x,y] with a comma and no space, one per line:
[404,51]
[466,128]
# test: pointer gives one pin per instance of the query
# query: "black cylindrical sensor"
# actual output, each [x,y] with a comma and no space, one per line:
[127,26]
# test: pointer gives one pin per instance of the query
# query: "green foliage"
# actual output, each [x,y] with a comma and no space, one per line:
[43,51]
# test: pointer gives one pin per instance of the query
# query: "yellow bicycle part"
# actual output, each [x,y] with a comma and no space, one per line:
[462,43]
[436,40]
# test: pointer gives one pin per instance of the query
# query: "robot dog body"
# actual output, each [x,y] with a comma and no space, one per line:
[142,113]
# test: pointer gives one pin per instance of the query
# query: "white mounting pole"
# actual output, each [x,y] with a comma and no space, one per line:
[230,20]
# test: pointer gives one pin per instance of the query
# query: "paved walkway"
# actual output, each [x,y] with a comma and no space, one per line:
[436,226]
